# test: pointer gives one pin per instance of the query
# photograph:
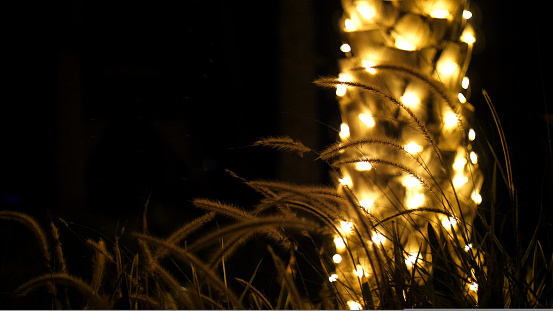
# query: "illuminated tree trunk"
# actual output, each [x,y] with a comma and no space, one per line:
[406,158]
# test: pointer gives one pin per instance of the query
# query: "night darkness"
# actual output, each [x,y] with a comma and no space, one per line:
[107,103]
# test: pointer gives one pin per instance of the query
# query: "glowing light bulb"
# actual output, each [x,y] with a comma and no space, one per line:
[363,166]
[337,258]
[439,14]
[346,227]
[410,100]
[341,90]
[468,247]
[365,10]
[358,271]
[476,197]
[405,45]
[339,243]
[473,157]
[447,68]
[413,148]
[473,286]
[411,260]
[459,181]
[467,14]
[415,201]
[333,277]
[410,182]
[344,77]
[350,26]
[346,48]
[450,120]
[346,181]
[459,163]
[366,204]
[368,120]
[344,131]
[448,222]
[378,238]
[468,38]
[462,98]
[354,305]
[465,83]
[369,66]
[472,135]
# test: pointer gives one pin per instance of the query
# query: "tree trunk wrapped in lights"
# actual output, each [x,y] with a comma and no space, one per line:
[405,158]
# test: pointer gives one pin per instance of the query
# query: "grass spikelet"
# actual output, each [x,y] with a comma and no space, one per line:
[256,293]
[188,257]
[35,228]
[184,231]
[286,274]
[334,150]
[99,263]
[154,267]
[95,300]
[61,266]
[221,208]
[262,224]
[283,143]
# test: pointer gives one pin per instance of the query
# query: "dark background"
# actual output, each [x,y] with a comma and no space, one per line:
[108,103]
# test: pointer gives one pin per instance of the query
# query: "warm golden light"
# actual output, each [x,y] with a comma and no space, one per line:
[473,286]
[467,14]
[337,258]
[411,181]
[459,181]
[468,247]
[366,204]
[368,120]
[413,148]
[368,65]
[447,68]
[344,131]
[450,120]
[459,163]
[346,181]
[365,9]
[472,135]
[363,166]
[448,222]
[410,100]
[339,243]
[465,83]
[415,201]
[405,45]
[346,226]
[473,157]
[468,38]
[439,14]
[462,98]
[350,26]
[333,277]
[346,48]
[354,305]
[341,90]
[378,238]
[476,197]
[411,260]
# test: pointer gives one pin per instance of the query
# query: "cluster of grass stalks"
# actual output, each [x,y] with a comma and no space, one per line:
[188,269]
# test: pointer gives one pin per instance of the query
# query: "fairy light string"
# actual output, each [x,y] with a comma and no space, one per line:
[404,96]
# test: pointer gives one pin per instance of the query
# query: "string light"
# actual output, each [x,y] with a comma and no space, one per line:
[363,166]
[368,65]
[476,197]
[339,243]
[473,157]
[333,277]
[462,98]
[439,14]
[366,204]
[413,148]
[472,135]
[346,48]
[350,26]
[402,44]
[467,14]
[354,305]
[410,100]
[344,131]
[450,120]
[368,120]
[365,9]
[465,83]
[337,258]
